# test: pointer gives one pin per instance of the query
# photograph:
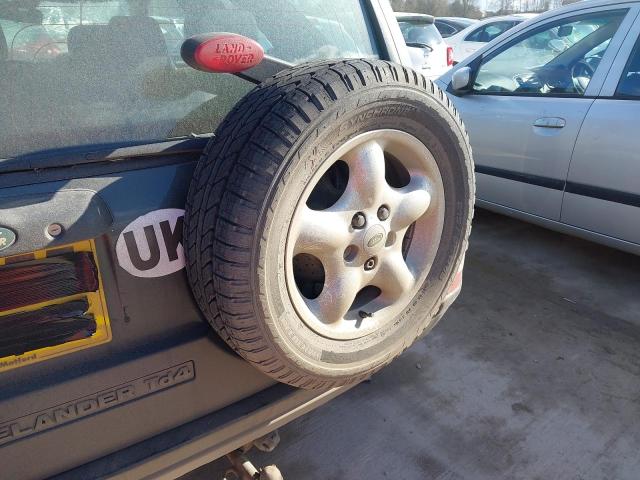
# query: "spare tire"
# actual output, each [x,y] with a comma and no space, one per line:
[327,217]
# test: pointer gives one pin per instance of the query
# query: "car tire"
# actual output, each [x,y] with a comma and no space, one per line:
[271,205]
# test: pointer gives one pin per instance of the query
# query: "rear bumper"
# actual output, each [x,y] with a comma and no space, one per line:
[190,446]
[434,73]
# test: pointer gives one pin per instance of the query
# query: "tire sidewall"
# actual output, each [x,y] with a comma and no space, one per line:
[403,108]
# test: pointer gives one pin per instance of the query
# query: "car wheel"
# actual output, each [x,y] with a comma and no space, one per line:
[327,217]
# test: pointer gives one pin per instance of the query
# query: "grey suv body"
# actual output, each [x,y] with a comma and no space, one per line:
[107,369]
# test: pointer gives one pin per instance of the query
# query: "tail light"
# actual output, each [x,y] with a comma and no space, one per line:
[456,284]
[449,56]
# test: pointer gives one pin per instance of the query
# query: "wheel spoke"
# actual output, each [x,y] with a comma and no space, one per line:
[367,183]
[410,203]
[394,277]
[359,239]
[320,232]
[341,286]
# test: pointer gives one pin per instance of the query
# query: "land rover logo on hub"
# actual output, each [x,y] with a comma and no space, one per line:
[375,240]
[151,245]
[7,238]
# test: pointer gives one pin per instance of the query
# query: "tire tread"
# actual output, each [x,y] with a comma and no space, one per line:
[225,194]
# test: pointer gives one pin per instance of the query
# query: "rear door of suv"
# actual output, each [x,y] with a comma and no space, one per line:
[101,344]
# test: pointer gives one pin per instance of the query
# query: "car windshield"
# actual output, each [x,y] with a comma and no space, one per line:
[96,72]
[560,59]
[415,31]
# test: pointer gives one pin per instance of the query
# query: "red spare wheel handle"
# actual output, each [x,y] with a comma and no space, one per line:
[230,53]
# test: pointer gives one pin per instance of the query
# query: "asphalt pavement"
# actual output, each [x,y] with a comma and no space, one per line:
[534,373]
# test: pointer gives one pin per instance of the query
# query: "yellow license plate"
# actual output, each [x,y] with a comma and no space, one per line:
[96,309]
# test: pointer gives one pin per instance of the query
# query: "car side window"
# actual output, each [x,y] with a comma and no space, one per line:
[109,72]
[445,29]
[557,59]
[629,86]
[488,32]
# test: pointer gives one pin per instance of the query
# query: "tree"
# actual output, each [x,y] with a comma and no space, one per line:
[506,7]
[438,8]
[464,8]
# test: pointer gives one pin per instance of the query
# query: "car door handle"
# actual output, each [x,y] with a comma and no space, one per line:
[550,122]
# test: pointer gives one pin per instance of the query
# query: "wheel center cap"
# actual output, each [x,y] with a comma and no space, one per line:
[374,239]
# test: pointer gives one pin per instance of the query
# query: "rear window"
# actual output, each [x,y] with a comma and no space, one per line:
[490,31]
[420,32]
[445,28]
[77,73]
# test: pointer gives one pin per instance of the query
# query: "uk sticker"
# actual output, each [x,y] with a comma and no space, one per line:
[151,245]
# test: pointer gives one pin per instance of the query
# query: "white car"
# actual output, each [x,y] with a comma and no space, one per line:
[429,53]
[467,41]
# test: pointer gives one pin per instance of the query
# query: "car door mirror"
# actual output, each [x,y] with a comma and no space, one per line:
[461,80]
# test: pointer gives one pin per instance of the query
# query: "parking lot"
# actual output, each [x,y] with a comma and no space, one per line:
[218,215]
[532,374]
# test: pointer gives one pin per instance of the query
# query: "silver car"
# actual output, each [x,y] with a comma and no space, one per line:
[552,109]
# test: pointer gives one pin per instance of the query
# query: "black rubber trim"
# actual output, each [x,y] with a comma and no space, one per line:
[188,50]
[619,97]
[72,156]
[534,95]
[545,182]
[607,194]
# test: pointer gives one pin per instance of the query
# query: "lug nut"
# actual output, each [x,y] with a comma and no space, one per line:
[370,264]
[383,212]
[359,220]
